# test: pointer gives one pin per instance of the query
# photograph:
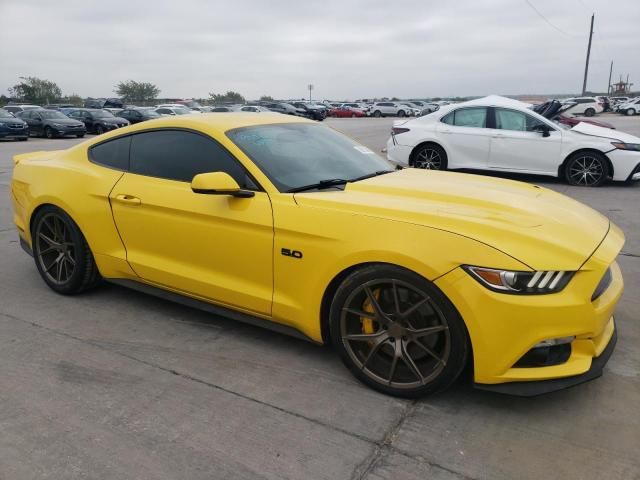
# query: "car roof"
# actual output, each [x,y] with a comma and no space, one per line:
[217,123]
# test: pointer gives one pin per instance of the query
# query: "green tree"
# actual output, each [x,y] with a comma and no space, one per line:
[132,91]
[35,90]
[74,99]
[266,98]
[229,97]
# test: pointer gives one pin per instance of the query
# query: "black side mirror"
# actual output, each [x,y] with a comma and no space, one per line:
[542,128]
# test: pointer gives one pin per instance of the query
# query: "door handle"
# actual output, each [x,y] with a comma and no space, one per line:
[128,199]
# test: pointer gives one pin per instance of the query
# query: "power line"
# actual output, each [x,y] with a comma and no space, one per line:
[547,20]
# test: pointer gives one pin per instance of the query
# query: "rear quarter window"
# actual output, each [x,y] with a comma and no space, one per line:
[113,154]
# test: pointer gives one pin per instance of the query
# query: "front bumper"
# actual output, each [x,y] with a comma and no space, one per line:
[624,163]
[14,132]
[62,131]
[540,387]
[503,328]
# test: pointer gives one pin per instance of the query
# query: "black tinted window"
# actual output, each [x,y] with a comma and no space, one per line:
[178,155]
[113,154]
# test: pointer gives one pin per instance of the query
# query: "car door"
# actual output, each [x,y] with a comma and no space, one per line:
[36,123]
[465,138]
[516,145]
[215,247]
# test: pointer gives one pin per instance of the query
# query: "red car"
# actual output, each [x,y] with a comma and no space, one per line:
[573,121]
[346,112]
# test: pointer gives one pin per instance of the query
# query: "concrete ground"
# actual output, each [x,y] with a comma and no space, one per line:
[118,385]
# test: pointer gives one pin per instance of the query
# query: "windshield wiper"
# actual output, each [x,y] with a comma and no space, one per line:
[371,175]
[330,182]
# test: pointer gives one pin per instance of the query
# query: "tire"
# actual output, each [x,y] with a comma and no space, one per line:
[589,112]
[429,157]
[48,132]
[406,349]
[353,115]
[401,113]
[61,253]
[80,135]
[586,169]
[377,114]
[630,112]
[23,139]
[99,130]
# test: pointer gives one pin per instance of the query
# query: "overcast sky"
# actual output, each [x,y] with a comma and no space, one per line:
[347,48]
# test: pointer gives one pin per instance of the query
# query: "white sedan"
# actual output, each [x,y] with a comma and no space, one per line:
[501,134]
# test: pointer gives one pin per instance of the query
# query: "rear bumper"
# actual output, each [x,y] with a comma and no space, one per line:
[533,389]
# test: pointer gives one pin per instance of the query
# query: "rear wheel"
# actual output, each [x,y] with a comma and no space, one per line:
[589,112]
[397,332]
[402,113]
[377,114]
[630,112]
[61,253]
[587,169]
[429,157]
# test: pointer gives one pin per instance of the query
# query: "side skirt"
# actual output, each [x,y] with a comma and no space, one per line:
[210,308]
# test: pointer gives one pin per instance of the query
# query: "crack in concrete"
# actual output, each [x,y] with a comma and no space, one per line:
[628,254]
[381,448]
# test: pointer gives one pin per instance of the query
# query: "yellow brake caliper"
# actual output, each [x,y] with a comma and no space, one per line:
[367,323]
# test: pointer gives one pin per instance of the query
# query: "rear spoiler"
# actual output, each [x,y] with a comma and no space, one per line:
[41,155]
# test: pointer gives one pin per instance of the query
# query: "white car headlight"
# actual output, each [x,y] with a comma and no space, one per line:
[524,283]
[627,146]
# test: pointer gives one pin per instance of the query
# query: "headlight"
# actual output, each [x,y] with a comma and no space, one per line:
[57,125]
[523,283]
[627,146]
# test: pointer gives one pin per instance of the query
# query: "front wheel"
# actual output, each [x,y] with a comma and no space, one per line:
[377,114]
[401,113]
[589,169]
[61,253]
[397,333]
[48,132]
[99,130]
[80,135]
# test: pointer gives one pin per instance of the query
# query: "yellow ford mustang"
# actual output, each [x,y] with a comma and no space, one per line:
[412,275]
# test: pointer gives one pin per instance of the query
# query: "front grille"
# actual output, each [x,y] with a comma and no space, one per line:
[17,125]
[603,285]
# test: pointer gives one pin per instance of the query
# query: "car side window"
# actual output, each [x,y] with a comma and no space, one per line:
[467,117]
[180,155]
[112,154]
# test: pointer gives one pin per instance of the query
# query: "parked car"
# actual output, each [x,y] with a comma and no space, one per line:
[251,108]
[103,103]
[138,114]
[388,109]
[501,134]
[16,108]
[617,101]
[553,110]
[174,111]
[183,109]
[97,121]
[59,106]
[606,103]
[311,111]
[346,112]
[286,108]
[52,124]
[631,107]
[12,127]
[412,110]
[411,276]
[221,109]
[587,106]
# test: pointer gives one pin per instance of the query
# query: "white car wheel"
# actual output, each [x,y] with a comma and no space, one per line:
[630,112]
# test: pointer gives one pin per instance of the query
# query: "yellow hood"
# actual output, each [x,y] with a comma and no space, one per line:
[539,227]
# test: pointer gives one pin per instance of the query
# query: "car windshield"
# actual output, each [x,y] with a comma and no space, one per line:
[103,114]
[149,113]
[295,155]
[5,114]
[51,114]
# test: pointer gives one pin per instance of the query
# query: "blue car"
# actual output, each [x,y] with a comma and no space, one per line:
[12,127]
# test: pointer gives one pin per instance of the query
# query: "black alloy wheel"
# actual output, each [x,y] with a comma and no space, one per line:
[430,157]
[61,253]
[588,169]
[99,129]
[48,132]
[397,333]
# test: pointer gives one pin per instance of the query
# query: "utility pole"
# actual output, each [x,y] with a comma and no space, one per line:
[610,72]
[586,65]
[310,87]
